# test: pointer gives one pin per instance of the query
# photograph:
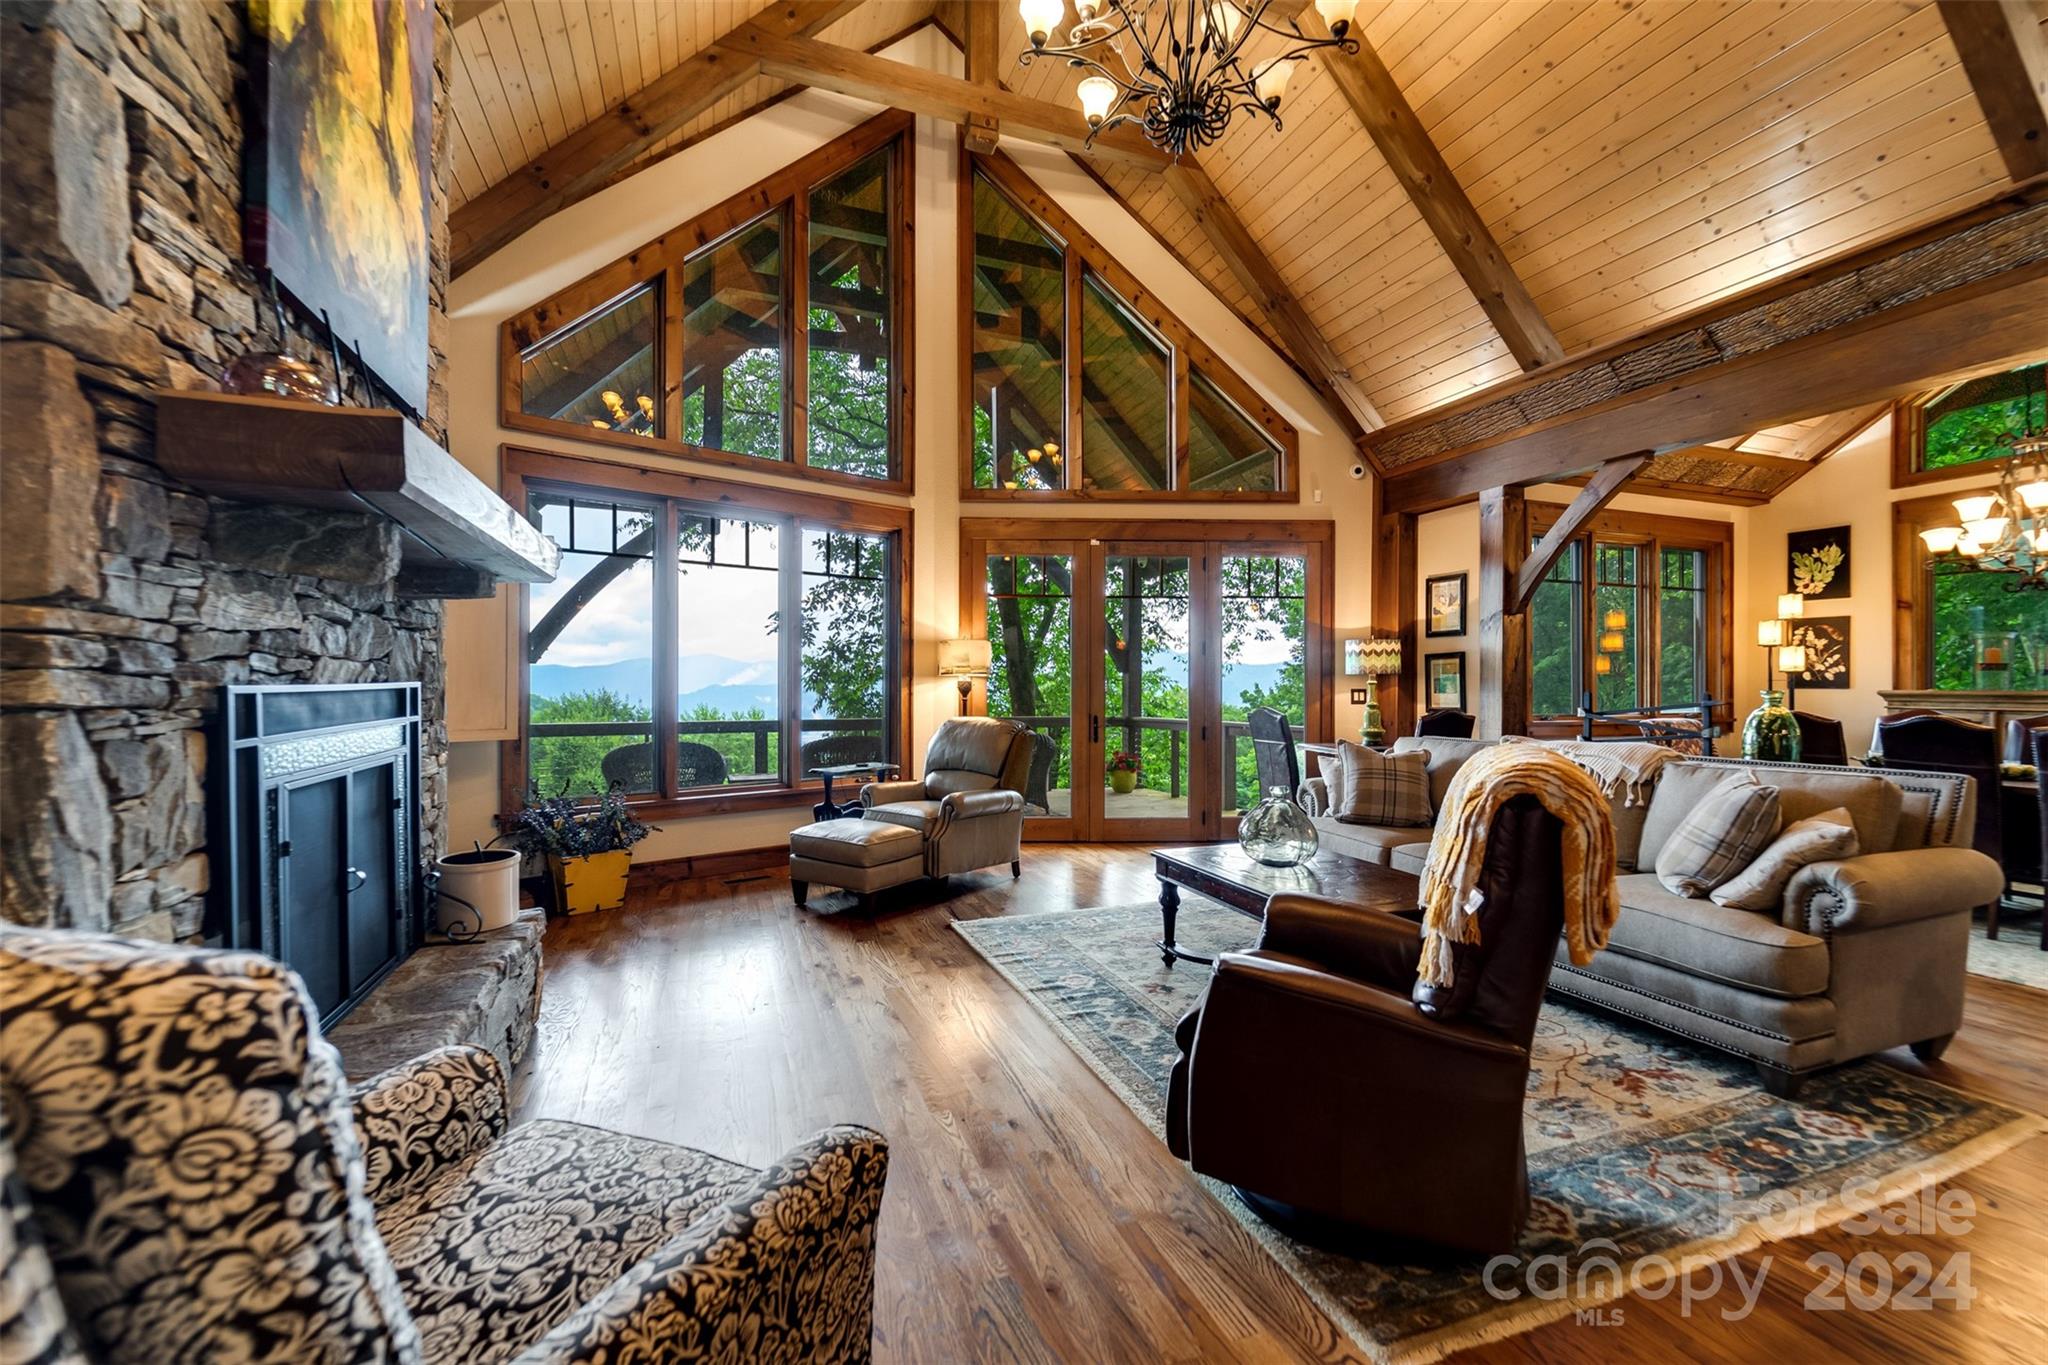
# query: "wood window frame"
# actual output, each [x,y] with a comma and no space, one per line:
[660,262]
[1909,444]
[522,464]
[1084,255]
[1652,533]
[1913,581]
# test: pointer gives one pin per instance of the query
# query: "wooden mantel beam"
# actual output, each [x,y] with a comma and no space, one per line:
[1370,89]
[900,85]
[588,158]
[1241,252]
[2005,55]
[1607,481]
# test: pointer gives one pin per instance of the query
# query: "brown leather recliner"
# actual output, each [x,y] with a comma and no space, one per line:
[968,808]
[1352,1106]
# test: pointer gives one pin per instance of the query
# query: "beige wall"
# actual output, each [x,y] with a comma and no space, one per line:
[570,245]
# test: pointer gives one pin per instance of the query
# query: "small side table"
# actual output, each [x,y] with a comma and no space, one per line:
[827,809]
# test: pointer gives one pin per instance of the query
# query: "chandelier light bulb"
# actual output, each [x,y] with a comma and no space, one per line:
[1975,508]
[1041,17]
[1337,14]
[1097,94]
[1942,540]
[1271,85]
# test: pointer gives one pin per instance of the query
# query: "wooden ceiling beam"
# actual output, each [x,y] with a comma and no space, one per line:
[466,10]
[1748,459]
[1233,241]
[588,158]
[1607,482]
[1374,96]
[2005,55]
[899,85]
[1992,323]
[983,30]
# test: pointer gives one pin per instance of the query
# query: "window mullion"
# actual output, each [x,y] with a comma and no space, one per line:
[790,644]
[796,375]
[667,645]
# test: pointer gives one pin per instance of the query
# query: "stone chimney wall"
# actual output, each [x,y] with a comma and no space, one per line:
[126,599]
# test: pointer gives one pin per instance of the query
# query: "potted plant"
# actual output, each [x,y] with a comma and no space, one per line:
[589,848]
[1123,772]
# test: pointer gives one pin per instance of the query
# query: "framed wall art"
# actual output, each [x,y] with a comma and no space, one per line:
[1817,563]
[1443,680]
[1444,595]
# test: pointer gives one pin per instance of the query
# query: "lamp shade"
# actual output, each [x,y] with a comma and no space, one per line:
[1770,632]
[1041,17]
[1617,619]
[1791,606]
[1097,94]
[963,658]
[1613,642]
[1603,665]
[1791,658]
[1382,655]
[1975,508]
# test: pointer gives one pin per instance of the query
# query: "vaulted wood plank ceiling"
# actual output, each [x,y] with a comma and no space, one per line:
[1633,162]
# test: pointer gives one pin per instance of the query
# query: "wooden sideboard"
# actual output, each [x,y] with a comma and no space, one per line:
[1987,708]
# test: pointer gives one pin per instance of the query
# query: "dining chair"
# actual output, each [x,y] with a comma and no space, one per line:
[1931,742]
[1821,739]
[2019,733]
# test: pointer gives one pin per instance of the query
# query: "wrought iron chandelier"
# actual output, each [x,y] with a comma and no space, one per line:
[2005,531]
[1177,68]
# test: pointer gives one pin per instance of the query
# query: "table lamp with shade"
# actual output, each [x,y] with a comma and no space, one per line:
[965,660]
[1382,654]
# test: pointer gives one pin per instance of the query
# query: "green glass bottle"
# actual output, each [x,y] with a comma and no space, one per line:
[1771,734]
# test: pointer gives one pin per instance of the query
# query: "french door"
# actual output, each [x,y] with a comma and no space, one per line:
[1134,662]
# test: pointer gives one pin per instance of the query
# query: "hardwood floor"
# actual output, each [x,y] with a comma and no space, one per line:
[1031,1217]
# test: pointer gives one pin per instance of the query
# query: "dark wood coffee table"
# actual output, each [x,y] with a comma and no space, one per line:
[1226,873]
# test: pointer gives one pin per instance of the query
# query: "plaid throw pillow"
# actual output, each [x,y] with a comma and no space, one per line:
[1380,789]
[1721,837]
[1818,838]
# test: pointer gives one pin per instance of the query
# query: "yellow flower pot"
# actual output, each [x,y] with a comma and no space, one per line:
[1123,784]
[595,882]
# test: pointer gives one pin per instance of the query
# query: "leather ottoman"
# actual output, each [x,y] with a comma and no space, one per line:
[862,856]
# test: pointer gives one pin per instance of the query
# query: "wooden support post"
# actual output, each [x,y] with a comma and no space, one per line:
[983,38]
[1394,611]
[1503,633]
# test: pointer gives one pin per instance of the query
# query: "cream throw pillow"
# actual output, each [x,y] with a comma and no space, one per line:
[1816,839]
[1721,836]
[1380,789]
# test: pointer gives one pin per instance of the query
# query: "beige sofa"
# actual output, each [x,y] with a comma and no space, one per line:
[1864,954]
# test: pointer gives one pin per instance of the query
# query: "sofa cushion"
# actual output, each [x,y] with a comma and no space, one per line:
[1721,836]
[860,843]
[1761,885]
[1445,755]
[499,1248]
[1737,947]
[1367,843]
[1410,858]
[985,745]
[1872,802]
[1680,788]
[1380,789]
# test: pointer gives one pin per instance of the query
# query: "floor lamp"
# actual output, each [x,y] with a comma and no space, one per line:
[965,660]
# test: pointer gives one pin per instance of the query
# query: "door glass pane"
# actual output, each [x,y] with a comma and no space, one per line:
[1227,451]
[849,268]
[590,650]
[732,342]
[1145,686]
[729,677]
[599,370]
[1019,317]
[845,665]
[1265,636]
[1682,627]
[1554,639]
[1614,604]
[1126,396]
[1031,669]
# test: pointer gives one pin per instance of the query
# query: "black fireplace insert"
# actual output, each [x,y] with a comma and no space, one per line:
[315,808]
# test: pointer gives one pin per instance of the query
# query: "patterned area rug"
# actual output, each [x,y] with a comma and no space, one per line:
[1644,1153]
[2015,955]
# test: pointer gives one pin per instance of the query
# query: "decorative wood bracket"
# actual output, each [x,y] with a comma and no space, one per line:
[1607,481]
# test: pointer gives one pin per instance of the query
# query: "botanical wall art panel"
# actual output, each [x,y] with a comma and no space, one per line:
[1826,639]
[339,165]
[1817,562]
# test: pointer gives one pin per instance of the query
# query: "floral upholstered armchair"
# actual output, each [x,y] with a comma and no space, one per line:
[187,1177]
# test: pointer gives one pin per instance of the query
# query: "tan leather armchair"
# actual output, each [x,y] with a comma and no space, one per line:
[1354,1107]
[969,806]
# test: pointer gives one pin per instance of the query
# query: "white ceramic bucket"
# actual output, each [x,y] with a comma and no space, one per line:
[488,879]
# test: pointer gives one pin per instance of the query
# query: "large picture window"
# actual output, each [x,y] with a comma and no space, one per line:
[707,644]
[1632,616]
[772,331]
[1948,433]
[1081,383]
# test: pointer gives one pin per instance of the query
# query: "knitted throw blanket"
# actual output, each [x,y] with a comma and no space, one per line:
[1457,851]
[1626,769]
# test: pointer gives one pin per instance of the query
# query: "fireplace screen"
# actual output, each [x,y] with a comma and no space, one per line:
[317,829]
